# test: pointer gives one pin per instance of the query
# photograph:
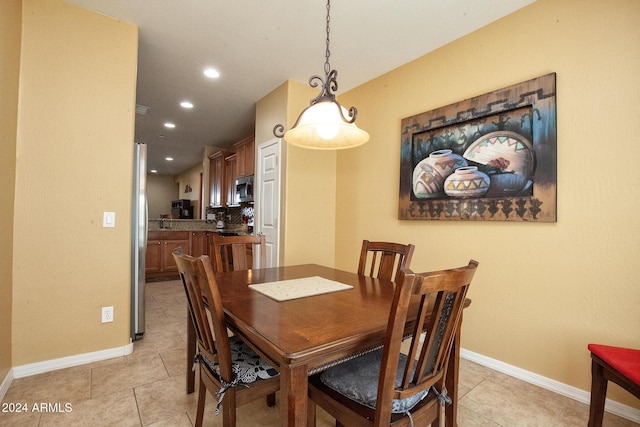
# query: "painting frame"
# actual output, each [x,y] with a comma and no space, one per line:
[507,138]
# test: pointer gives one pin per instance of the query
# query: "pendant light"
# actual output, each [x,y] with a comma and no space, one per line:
[325,124]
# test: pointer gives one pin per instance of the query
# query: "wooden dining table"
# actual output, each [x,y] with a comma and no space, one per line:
[304,336]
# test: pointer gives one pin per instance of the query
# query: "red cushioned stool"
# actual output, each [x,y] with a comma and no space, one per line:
[620,365]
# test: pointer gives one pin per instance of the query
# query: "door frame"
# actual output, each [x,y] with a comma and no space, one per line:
[260,203]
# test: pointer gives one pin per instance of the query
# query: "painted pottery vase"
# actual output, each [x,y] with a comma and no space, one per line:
[445,162]
[467,181]
[430,173]
[427,182]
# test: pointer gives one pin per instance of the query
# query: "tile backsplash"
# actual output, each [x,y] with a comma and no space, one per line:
[236,212]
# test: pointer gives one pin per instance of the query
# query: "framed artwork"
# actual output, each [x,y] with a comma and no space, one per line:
[488,158]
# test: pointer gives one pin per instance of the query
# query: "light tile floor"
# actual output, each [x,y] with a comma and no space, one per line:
[148,387]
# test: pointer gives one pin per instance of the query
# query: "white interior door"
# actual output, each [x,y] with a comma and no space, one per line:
[267,214]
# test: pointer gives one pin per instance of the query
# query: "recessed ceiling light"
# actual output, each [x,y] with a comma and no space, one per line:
[169,125]
[211,73]
[169,159]
[153,171]
[186,104]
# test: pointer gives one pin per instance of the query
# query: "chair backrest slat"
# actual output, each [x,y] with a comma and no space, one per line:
[383,260]
[230,252]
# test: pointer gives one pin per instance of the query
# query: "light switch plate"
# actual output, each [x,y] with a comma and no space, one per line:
[109,219]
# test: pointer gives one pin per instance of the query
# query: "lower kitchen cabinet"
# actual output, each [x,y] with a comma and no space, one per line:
[199,243]
[159,255]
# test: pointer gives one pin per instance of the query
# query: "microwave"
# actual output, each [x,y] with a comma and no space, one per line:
[244,189]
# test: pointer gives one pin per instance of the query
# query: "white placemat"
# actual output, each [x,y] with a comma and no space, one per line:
[285,290]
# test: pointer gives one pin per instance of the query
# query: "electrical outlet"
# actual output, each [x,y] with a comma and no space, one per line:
[107,314]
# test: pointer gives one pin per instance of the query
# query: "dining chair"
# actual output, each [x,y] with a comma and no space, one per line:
[386,387]
[383,260]
[616,364]
[228,367]
[230,252]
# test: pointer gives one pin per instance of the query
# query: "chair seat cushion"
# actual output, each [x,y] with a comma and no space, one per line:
[357,379]
[624,360]
[247,365]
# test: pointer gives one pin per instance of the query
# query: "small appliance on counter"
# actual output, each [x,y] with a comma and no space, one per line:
[182,209]
[220,223]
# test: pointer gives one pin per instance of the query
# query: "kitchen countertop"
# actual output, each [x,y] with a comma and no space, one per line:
[193,225]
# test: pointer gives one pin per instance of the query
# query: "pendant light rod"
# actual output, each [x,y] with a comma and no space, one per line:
[328,86]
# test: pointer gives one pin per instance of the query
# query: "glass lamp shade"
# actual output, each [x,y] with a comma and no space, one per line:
[320,127]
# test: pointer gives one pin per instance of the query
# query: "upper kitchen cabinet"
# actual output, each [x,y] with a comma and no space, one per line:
[245,162]
[225,167]
[231,172]
[218,179]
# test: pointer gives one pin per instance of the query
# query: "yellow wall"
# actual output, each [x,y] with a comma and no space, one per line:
[271,110]
[309,181]
[10,27]
[191,177]
[161,190]
[543,291]
[311,193]
[74,161]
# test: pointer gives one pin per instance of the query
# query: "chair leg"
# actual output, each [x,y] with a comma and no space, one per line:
[440,420]
[229,408]
[202,397]
[311,413]
[191,352]
[271,400]
[598,395]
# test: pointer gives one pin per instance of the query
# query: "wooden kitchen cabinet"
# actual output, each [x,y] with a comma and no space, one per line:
[225,167]
[245,150]
[231,165]
[199,243]
[218,179]
[159,260]
[152,257]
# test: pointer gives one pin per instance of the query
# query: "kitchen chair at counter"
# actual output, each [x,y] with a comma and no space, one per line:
[385,386]
[230,252]
[384,259]
[227,364]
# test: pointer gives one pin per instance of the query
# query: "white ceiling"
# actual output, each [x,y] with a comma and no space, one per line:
[257,45]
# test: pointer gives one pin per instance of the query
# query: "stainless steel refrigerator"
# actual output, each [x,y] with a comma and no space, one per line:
[138,239]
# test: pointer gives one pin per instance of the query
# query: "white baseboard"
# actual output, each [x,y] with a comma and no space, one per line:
[67,362]
[574,393]
[6,382]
